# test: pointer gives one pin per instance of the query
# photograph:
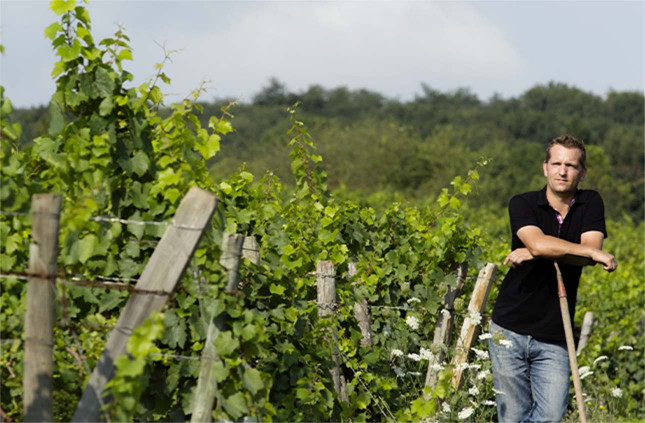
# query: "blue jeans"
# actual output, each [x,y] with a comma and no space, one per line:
[531,377]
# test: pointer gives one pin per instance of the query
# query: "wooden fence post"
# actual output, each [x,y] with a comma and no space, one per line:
[163,271]
[326,289]
[585,332]
[207,384]
[361,312]
[250,250]
[470,327]
[39,314]
[443,331]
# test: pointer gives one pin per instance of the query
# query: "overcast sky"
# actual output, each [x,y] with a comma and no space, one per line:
[386,46]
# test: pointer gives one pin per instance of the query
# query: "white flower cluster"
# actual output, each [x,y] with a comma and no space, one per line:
[445,407]
[485,336]
[616,392]
[482,375]
[489,402]
[461,366]
[414,300]
[396,353]
[584,372]
[505,343]
[426,354]
[625,348]
[415,357]
[482,355]
[475,317]
[413,322]
[465,413]
[602,357]
[474,391]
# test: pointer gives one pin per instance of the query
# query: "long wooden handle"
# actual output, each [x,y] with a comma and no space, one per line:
[571,347]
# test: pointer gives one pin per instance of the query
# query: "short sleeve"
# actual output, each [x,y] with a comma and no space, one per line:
[521,214]
[594,216]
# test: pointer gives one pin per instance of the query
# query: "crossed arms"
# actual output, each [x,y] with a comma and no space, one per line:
[539,245]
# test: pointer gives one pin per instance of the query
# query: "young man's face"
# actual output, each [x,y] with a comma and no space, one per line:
[563,171]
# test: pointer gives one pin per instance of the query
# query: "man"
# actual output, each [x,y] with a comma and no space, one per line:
[531,365]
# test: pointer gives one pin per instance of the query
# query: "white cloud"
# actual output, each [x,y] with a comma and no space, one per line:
[386,46]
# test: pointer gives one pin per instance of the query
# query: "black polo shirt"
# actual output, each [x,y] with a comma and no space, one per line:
[528,298]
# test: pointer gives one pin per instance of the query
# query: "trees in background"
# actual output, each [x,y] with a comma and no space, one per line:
[373,143]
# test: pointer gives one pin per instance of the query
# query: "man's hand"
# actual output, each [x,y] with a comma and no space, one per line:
[607,260]
[518,256]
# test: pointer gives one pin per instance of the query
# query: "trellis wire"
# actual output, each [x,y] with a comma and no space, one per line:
[115,219]
[75,280]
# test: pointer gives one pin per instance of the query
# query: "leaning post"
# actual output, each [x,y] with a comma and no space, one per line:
[162,273]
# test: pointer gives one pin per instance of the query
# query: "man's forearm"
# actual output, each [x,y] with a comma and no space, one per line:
[546,246]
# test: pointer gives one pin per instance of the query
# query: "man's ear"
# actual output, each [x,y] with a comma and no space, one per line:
[544,169]
[583,173]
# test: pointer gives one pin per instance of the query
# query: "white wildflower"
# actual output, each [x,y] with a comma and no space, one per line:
[583,369]
[482,355]
[396,352]
[474,391]
[415,357]
[496,392]
[437,367]
[399,371]
[505,343]
[625,348]
[616,392]
[602,357]
[489,402]
[584,375]
[426,354]
[462,366]
[445,313]
[474,366]
[414,373]
[465,413]
[485,336]
[414,300]
[482,375]
[413,322]
[445,407]
[475,317]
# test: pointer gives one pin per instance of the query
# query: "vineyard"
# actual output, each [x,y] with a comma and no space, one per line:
[174,295]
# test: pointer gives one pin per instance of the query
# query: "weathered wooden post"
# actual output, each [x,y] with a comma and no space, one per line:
[164,269]
[326,289]
[469,328]
[443,331]
[39,315]
[206,384]
[250,250]
[585,332]
[361,312]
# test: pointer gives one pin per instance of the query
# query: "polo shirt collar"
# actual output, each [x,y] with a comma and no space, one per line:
[542,201]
